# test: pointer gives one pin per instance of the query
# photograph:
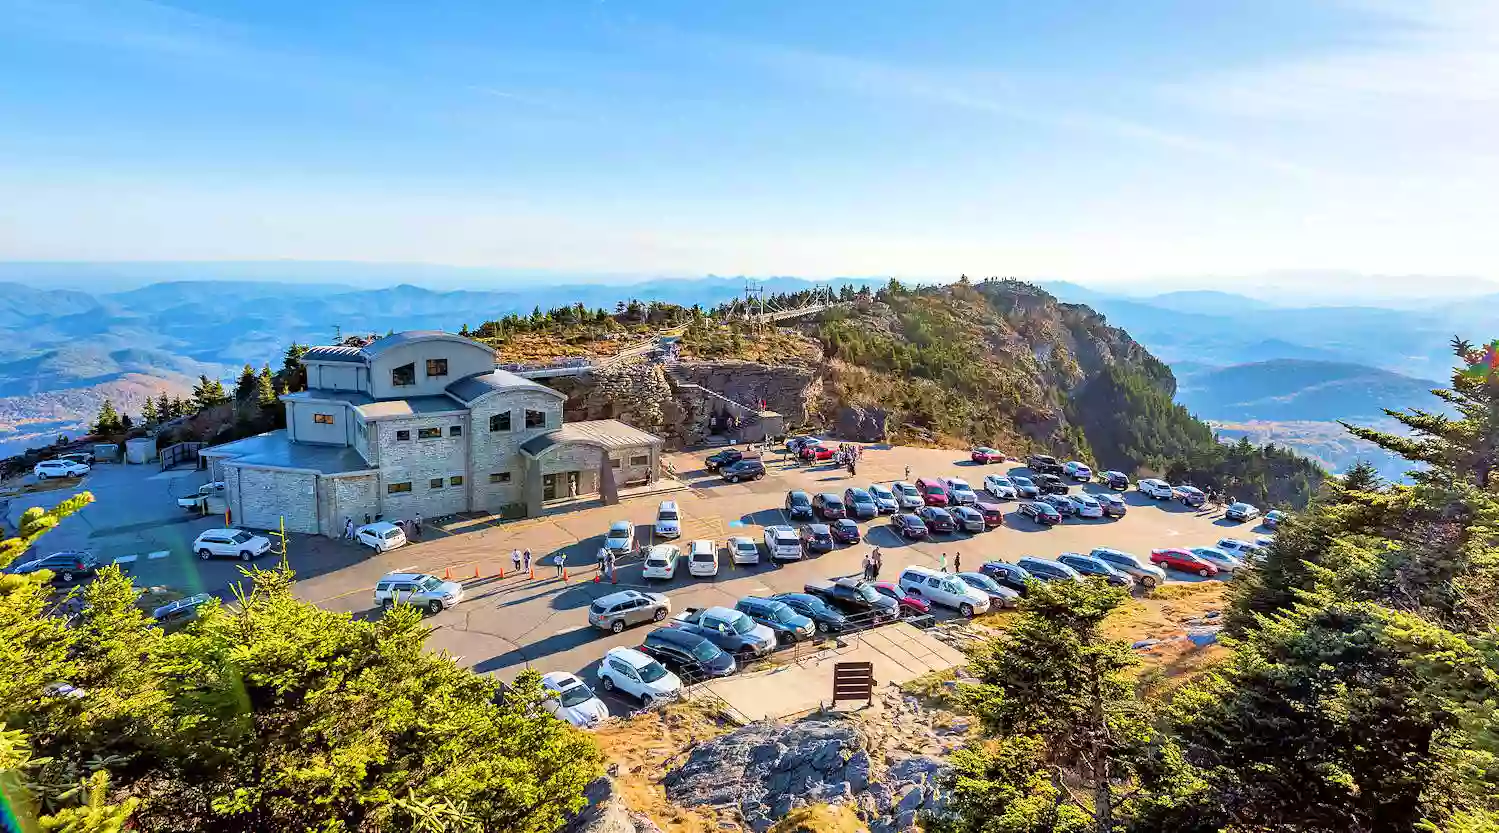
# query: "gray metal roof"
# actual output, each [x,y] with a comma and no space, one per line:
[470,388]
[609,433]
[414,406]
[380,345]
[352,397]
[337,353]
[274,450]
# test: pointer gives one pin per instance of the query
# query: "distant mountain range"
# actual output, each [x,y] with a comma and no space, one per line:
[1298,389]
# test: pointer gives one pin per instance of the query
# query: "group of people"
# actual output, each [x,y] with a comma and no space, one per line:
[848,456]
[873,561]
[607,563]
[412,528]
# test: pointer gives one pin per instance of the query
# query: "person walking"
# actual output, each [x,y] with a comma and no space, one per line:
[527,556]
[944,562]
[561,560]
[515,559]
[957,562]
[908,474]
[609,566]
[879,561]
[868,566]
[603,556]
[348,529]
[417,522]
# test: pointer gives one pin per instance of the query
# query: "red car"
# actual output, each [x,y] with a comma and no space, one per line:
[1184,560]
[909,605]
[984,454]
[993,514]
[933,491]
[816,452]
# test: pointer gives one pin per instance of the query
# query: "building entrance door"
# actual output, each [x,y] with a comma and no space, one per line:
[572,484]
[549,487]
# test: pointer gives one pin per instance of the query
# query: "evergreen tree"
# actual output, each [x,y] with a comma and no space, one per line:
[108,420]
[247,389]
[164,407]
[181,407]
[292,374]
[126,423]
[265,386]
[149,413]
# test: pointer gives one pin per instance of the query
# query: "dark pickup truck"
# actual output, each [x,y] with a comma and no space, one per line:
[1043,464]
[858,599]
[731,630]
[727,457]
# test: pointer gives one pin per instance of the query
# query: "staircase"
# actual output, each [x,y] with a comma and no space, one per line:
[702,403]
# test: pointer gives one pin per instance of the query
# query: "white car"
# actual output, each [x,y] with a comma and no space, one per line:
[1087,506]
[59,468]
[702,558]
[1147,574]
[1000,487]
[962,493]
[1240,548]
[570,699]
[744,550]
[230,543]
[944,589]
[1157,489]
[661,562]
[381,536]
[200,499]
[630,671]
[429,593]
[783,543]
[621,538]
[1077,471]
[907,495]
[1221,559]
[668,519]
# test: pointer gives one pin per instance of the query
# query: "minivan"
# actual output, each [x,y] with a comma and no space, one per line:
[943,589]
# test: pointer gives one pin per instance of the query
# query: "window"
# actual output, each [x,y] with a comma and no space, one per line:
[613,462]
[403,375]
[455,430]
[499,477]
[397,488]
[435,483]
[402,436]
[640,459]
[536,419]
[429,433]
[437,367]
[500,422]
[455,480]
[322,419]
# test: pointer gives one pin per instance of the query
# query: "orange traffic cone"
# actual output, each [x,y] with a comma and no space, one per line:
[596,579]
[564,575]
[447,574]
[476,571]
[614,577]
[533,572]
[502,571]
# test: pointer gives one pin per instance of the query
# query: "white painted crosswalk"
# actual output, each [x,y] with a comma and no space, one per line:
[126,559]
[158,554]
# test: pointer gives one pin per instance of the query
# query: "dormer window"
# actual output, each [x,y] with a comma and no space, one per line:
[437,367]
[536,419]
[403,375]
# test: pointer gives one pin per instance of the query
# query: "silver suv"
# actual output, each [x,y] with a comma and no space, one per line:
[417,589]
[617,611]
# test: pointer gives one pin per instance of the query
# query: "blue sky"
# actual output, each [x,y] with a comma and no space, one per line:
[1091,141]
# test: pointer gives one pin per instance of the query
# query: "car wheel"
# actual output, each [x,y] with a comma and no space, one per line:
[606,682]
[733,478]
[246,555]
[41,476]
[617,625]
[660,614]
[387,604]
[66,575]
[823,627]
[1149,582]
[965,610]
[647,699]
[1203,573]
[204,554]
[434,606]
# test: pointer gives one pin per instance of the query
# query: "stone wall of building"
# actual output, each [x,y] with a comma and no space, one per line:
[497,453]
[265,496]
[352,496]
[421,463]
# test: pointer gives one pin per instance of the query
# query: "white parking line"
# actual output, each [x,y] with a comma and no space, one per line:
[126,559]
[158,554]
[570,630]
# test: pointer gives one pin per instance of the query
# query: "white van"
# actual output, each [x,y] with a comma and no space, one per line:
[943,589]
[668,520]
[702,559]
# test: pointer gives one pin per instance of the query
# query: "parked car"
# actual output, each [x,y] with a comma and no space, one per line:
[909,605]
[943,589]
[1051,484]
[1273,518]
[729,629]
[1086,506]
[794,444]
[937,519]
[860,504]
[1062,503]
[828,506]
[743,470]
[959,493]
[783,543]
[1154,489]
[908,526]
[969,518]
[744,550]
[1175,558]
[798,505]
[907,495]
[231,543]
[845,531]
[381,536]
[570,700]
[175,614]
[668,520]
[999,595]
[1077,471]
[818,538]
[1114,479]
[933,491]
[690,654]
[620,539]
[84,457]
[1025,488]
[638,675]
[1190,495]
[724,457]
[1241,512]
[1000,487]
[702,558]
[59,468]
[855,598]
[1147,574]
[884,499]
[985,454]
[788,625]
[1245,551]
[1225,562]
[627,608]
[1089,566]
[1114,506]
[197,501]
[1041,513]
[1047,570]
[1043,464]
[816,452]
[992,513]
[66,566]
[1012,576]
[661,562]
[824,616]
[429,593]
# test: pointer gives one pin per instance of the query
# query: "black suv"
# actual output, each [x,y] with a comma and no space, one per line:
[688,652]
[1043,464]
[828,506]
[823,615]
[856,598]
[1050,484]
[66,566]
[860,503]
[789,626]
[719,459]
[798,505]
[743,470]
[1008,575]
[1114,479]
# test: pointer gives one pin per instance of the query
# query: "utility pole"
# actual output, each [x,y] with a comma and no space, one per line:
[338,334]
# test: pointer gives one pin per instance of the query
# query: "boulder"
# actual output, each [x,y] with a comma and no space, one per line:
[604,813]
[865,425]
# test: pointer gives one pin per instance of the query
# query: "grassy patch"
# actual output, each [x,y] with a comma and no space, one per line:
[820,818]
[646,746]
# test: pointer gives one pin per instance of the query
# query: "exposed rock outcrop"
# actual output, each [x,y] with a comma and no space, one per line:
[605,813]
[865,425]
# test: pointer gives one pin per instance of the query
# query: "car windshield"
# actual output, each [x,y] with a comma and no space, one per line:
[867,593]
[704,651]
[651,671]
[1022,481]
[934,490]
[878,491]
[1002,481]
[983,581]
[576,695]
[618,531]
[800,500]
[430,583]
[241,537]
[743,624]
[390,534]
[656,559]
[907,489]
[667,515]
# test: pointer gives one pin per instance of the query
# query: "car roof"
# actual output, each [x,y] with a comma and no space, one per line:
[561,678]
[830,496]
[675,635]
[858,491]
[964,510]
[878,487]
[629,656]
[403,576]
[1082,496]
[798,493]
[799,597]
[1242,503]
[378,526]
[723,612]
[907,518]
[616,598]
[739,540]
[920,570]
[819,529]
[667,504]
[845,522]
[223,531]
[781,529]
[706,544]
[620,525]
[661,549]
